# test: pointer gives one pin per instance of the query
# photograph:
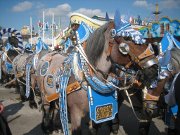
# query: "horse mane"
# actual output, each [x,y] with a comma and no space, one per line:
[175,60]
[95,44]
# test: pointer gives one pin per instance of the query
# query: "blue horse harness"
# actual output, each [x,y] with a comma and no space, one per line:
[8,65]
[168,42]
[102,97]
[40,46]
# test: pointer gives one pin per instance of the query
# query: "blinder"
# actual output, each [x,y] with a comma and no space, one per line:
[124,48]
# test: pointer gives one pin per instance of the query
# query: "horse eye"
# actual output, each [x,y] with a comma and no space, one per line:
[127,38]
[113,33]
[124,48]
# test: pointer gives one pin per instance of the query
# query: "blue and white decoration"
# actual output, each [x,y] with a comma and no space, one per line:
[9,67]
[164,25]
[83,32]
[63,82]
[124,29]
[101,95]
[17,34]
[99,104]
[40,46]
[168,42]
[28,69]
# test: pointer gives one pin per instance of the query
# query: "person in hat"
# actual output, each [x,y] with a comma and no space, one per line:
[71,34]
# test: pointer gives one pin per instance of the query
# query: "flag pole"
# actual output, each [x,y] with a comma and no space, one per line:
[59,24]
[53,30]
[43,26]
[31,29]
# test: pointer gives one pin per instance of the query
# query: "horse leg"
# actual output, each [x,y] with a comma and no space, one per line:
[177,96]
[32,102]
[76,116]
[78,108]
[22,90]
[56,117]
[17,89]
[146,118]
[144,123]
[46,119]
[115,121]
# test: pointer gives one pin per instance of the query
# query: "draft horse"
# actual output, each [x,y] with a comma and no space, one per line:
[154,101]
[24,66]
[86,71]
[10,48]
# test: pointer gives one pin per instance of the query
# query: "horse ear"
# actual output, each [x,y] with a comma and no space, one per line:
[117,21]
[107,17]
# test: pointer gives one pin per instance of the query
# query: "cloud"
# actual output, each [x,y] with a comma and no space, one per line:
[140,3]
[90,12]
[169,4]
[23,6]
[164,4]
[39,5]
[60,10]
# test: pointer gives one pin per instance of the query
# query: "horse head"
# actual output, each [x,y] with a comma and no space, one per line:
[122,46]
[168,68]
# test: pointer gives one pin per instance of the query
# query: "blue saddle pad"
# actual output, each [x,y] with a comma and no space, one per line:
[102,107]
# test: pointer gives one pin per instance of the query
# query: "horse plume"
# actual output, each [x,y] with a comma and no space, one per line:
[107,17]
[117,21]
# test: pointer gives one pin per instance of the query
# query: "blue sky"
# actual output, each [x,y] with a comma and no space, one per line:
[16,13]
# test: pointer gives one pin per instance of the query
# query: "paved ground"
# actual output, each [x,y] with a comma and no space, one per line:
[26,121]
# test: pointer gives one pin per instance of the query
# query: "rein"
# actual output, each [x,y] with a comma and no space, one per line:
[144,60]
[81,51]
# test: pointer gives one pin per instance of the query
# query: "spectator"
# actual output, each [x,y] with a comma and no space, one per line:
[4,128]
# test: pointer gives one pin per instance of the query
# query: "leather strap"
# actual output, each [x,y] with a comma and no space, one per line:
[73,87]
[146,53]
[52,97]
[70,88]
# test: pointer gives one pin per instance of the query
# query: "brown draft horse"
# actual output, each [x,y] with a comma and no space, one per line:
[102,51]
[19,66]
[6,61]
[154,98]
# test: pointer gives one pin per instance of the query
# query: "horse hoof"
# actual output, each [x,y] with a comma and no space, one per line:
[46,130]
[142,131]
[115,132]
[57,132]
[93,131]
[171,131]
[23,98]
[33,106]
